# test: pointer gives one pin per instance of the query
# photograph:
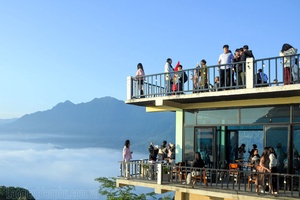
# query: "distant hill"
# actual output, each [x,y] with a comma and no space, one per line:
[7,121]
[102,122]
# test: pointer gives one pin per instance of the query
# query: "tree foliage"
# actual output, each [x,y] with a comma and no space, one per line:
[109,189]
[12,193]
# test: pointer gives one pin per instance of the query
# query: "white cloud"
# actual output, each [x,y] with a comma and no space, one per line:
[44,169]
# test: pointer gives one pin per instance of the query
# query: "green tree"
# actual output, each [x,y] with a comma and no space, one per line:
[12,193]
[109,189]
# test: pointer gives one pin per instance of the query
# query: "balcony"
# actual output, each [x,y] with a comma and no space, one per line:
[220,183]
[156,95]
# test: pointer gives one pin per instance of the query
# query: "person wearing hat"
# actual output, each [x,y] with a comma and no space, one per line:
[225,66]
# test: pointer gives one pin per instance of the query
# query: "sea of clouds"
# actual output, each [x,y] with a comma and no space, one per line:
[51,172]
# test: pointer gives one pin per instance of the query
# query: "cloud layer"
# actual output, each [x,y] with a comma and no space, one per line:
[52,173]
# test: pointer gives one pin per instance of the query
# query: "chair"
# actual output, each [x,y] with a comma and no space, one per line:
[234,171]
[253,178]
[179,171]
[198,178]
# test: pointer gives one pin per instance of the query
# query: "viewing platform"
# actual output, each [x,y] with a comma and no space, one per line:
[157,98]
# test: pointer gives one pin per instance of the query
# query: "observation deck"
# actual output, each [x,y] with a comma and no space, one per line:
[157,98]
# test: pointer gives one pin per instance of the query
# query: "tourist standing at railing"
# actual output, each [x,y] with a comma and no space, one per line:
[171,153]
[140,77]
[203,75]
[263,167]
[289,64]
[163,151]
[181,78]
[169,70]
[153,151]
[196,77]
[200,76]
[226,73]
[238,67]
[244,54]
[273,167]
[127,156]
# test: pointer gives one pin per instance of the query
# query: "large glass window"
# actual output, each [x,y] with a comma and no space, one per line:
[204,144]
[265,115]
[296,113]
[229,116]
[262,115]
[188,144]
[250,137]
[277,137]
[296,149]
[255,115]
[189,118]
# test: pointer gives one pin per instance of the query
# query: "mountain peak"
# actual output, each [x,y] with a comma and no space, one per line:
[67,103]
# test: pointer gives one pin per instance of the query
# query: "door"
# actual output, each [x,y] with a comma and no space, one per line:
[204,144]
[277,137]
[232,147]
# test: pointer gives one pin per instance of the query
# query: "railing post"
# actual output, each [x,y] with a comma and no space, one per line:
[249,73]
[159,173]
[129,87]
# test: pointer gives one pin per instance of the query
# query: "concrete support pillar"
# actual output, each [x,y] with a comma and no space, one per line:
[129,87]
[179,136]
[159,173]
[180,195]
[249,73]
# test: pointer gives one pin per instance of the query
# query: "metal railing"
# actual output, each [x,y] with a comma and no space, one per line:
[232,76]
[246,180]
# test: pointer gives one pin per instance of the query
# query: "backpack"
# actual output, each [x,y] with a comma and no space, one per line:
[185,77]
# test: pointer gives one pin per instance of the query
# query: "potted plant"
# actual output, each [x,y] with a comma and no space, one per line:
[166,173]
[144,169]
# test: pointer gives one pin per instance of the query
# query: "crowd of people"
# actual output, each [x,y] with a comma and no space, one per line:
[232,71]
[272,160]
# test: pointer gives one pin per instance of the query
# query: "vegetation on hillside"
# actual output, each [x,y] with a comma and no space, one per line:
[15,193]
[109,189]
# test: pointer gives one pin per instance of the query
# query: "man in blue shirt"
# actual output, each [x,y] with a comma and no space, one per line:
[226,73]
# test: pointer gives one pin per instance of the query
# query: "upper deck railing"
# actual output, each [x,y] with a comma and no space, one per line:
[156,85]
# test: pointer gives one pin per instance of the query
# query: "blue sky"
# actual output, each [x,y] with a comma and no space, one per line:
[57,50]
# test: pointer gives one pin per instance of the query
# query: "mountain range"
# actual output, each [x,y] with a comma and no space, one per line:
[102,122]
